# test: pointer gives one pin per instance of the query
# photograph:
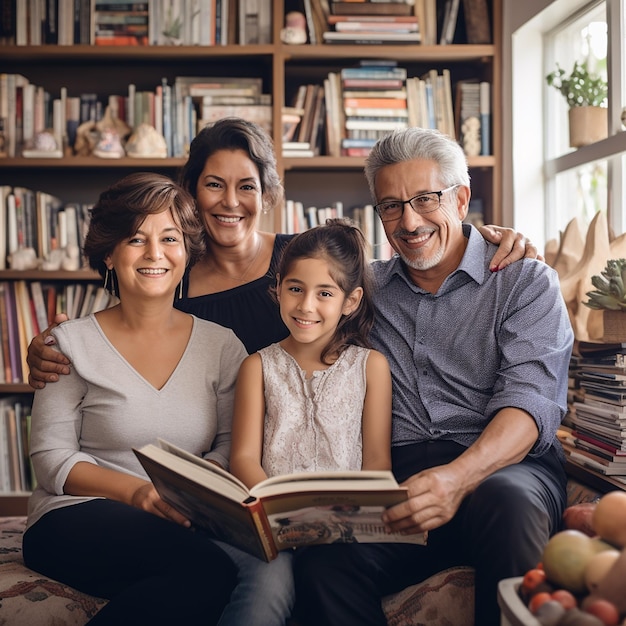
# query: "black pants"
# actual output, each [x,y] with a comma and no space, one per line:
[500,530]
[151,570]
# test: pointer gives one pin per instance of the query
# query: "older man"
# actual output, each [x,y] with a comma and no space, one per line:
[479,361]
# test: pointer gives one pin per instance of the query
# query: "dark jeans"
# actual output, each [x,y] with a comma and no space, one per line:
[151,570]
[500,530]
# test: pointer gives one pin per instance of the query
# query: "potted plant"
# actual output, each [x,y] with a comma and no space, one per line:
[586,95]
[609,296]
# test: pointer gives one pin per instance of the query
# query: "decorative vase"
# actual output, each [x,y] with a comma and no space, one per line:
[614,326]
[587,125]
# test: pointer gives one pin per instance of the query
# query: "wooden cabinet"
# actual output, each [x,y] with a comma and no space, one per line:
[317,180]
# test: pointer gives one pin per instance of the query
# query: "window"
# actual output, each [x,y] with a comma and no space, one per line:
[547,182]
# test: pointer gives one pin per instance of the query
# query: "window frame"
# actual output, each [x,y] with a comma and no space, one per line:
[529,177]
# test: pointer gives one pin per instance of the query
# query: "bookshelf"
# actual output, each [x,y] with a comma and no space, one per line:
[318,180]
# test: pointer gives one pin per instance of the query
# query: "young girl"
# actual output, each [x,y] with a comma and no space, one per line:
[321,398]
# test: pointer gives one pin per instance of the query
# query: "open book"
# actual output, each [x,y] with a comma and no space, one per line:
[278,513]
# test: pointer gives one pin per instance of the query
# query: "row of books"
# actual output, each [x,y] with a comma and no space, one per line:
[358,105]
[16,473]
[376,22]
[28,307]
[39,221]
[175,110]
[594,431]
[156,22]
[298,218]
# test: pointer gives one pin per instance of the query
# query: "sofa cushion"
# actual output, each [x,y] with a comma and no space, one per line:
[28,598]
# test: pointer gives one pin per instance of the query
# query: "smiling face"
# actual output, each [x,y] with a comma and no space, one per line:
[229,197]
[311,302]
[432,242]
[152,261]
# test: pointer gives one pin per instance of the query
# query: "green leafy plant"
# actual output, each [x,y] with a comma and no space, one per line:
[581,88]
[609,292]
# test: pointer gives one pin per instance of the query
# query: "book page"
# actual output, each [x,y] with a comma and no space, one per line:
[367,480]
[219,479]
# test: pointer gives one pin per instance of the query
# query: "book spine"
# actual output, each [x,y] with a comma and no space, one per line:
[13,333]
[485,118]
[263,530]
[6,333]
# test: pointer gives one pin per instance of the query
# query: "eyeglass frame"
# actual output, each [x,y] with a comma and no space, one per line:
[405,202]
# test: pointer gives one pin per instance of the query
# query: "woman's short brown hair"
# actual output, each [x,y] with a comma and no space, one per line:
[122,208]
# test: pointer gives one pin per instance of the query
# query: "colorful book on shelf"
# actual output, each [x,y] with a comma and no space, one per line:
[6,333]
[374,102]
[375,71]
[13,333]
[371,8]
[39,303]
[336,20]
[279,513]
[371,37]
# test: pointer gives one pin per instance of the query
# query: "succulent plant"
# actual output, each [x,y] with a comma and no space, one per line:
[610,291]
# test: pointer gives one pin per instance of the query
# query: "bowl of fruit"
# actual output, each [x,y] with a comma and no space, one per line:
[581,579]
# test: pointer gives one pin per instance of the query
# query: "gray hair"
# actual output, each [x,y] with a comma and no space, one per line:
[419,143]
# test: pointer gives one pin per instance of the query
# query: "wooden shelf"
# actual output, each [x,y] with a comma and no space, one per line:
[77,275]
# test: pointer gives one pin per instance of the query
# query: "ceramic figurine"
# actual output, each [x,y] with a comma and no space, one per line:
[295,28]
[146,142]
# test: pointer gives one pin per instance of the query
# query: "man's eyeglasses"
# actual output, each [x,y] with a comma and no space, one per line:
[426,202]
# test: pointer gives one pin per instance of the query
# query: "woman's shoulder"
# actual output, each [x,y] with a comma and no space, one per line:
[207,327]
[76,326]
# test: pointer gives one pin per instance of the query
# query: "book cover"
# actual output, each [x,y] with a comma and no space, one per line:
[13,334]
[39,302]
[485,118]
[279,513]
[370,38]
[371,8]
[372,83]
[383,103]
[477,22]
[7,375]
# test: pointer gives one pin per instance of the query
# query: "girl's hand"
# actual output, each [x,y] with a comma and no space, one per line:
[45,363]
[146,498]
[513,246]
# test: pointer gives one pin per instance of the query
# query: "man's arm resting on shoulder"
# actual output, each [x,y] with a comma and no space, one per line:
[435,494]
[44,362]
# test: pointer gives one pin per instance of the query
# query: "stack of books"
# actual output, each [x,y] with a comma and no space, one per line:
[372,28]
[594,431]
[374,100]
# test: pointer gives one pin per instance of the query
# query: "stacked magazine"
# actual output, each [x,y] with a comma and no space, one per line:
[595,433]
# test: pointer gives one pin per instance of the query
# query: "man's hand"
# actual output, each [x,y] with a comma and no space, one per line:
[434,498]
[45,363]
[513,246]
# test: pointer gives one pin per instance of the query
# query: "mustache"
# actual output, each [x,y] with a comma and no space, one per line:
[402,232]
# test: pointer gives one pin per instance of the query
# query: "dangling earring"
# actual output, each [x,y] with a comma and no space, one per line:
[180,290]
[111,274]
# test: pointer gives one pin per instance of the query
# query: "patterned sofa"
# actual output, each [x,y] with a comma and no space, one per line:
[30,599]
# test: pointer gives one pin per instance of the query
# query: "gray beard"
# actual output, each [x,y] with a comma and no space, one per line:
[420,263]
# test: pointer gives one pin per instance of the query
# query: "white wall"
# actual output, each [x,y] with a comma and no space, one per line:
[523,82]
